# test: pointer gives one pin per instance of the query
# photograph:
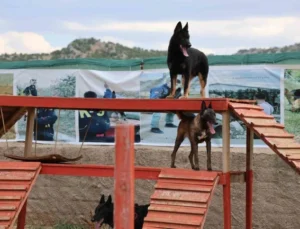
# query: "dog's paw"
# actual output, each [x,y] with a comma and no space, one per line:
[209,169]
[183,97]
[196,168]
[170,97]
[173,166]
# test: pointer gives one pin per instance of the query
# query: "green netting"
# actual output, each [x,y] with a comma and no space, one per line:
[150,63]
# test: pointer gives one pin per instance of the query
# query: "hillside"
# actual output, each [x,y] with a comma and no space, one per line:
[88,48]
[288,48]
[93,48]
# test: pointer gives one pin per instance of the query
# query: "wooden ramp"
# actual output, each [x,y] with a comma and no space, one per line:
[16,181]
[10,115]
[269,131]
[181,199]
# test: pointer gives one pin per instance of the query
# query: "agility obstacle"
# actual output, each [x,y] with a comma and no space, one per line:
[179,193]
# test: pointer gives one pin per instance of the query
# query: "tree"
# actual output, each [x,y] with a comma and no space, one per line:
[65,87]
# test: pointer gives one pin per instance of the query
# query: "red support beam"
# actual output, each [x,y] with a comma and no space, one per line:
[136,105]
[249,177]
[227,201]
[90,170]
[22,217]
[124,177]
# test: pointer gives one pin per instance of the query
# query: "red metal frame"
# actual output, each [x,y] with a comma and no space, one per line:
[89,170]
[227,201]
[138,105]
[124,177]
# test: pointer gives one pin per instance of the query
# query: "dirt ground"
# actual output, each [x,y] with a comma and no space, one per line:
[62,199]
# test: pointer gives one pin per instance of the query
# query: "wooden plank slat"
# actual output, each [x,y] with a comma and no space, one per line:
[16,166]
[160,225]
[268,125]
[7,207]
[188,174]
[181,196]
[13,187]
[237,105]
[259,121]
[277,135]
[187,182]
[5,218]
[183,187]
[269,130]
[253,113]
[294,156]
[174,218]
[178,203]
[10,197]
[16,176]
[288,152]
[177,209]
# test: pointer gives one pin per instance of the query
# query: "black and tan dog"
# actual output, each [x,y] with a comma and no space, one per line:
[187,61]
[198,128]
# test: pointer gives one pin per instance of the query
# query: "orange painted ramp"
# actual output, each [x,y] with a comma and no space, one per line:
[268,130]
[16,181]
[181,199]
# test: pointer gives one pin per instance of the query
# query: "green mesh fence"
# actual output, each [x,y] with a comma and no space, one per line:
[151,63]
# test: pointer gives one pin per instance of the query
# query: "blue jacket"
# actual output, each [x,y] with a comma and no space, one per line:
[159,92]
[45,119]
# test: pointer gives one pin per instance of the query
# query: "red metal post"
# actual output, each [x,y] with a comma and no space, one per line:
[124,177]
[22,217]
[227,201]
[249,177]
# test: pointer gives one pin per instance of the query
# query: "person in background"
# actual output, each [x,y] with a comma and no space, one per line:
[261,101]
[99,125]
[31,89]
[43,124]
[161,92]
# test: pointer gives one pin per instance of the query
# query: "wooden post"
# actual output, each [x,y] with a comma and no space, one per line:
[249,177]
[22,217]
[29,132]
[226,169]
[124,177]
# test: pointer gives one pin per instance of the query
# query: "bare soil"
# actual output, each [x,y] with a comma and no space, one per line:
[65,199]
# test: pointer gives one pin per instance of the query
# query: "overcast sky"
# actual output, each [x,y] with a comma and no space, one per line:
[219,27]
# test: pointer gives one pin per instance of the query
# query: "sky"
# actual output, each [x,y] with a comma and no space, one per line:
[215,26]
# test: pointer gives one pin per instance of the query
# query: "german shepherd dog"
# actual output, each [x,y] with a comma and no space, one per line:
[187,61]
[198,129]
[104,214]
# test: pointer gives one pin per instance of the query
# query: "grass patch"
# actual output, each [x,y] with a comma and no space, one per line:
[292,122]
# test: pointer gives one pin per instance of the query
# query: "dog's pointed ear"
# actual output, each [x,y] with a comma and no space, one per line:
[178,27]
[209,106]
[102,200]
[109,200]
[186,27]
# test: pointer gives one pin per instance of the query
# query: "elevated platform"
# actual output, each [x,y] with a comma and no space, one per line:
[269,131]
[181,199]
[16,181]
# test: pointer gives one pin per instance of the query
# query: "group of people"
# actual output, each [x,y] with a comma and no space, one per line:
[100,123]
[44,119]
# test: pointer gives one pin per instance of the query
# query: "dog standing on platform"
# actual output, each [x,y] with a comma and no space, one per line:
[187,61]
[198,129]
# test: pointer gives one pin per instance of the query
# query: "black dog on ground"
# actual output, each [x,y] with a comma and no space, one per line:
[104,214]
[187,61]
